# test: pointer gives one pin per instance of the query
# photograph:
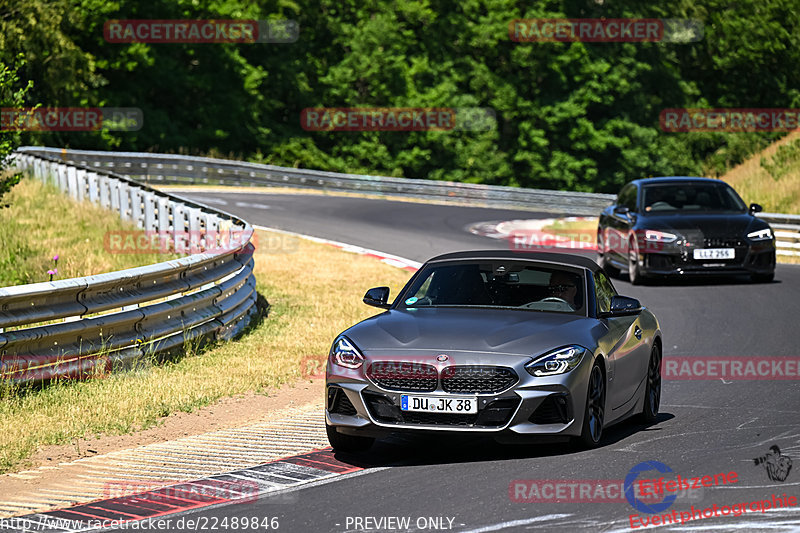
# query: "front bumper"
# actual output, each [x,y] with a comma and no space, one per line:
[750,258]
[542,406]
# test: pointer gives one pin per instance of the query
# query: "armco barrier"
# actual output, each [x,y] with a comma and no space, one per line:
[787,232]
[180,169]
[55,327]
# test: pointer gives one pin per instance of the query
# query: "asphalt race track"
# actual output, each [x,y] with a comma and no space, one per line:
[706,427]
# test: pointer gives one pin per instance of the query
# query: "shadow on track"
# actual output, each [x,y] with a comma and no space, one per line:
[418,450]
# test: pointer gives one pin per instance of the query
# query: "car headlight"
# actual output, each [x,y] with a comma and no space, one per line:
[760,235]
[345,354]
[659,236]
[556,362]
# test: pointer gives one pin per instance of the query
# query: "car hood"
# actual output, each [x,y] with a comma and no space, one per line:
[496,331]
[709,224]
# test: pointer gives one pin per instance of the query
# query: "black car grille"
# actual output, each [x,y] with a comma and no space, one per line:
[722,242]
[495,414]
[762,260]
[554,409]
[339,403]
[403,376]
[478,379]
[659,262]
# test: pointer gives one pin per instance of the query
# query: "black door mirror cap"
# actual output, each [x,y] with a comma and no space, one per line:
[755,208]
[622,306]
[377,297]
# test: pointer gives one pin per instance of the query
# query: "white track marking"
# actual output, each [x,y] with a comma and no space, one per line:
[389,259]
[517,523]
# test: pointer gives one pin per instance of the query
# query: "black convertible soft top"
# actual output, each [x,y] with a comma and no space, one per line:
[546,257]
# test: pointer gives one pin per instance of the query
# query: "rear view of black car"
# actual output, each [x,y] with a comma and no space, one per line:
[684,226]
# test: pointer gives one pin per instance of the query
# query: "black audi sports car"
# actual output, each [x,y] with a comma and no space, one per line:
[684,226]
[498,343]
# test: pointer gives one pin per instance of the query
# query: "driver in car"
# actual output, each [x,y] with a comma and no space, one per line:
[563,285]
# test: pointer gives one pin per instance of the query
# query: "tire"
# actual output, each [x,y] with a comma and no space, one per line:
[602,261]
[762,278]
[594,414]
[634,276]
[347,443]
[652,392]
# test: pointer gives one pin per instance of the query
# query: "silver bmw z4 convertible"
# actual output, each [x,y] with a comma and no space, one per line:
[498,342]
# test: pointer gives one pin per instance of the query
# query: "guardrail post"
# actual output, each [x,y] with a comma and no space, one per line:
[104,186]
[163,215]
[136,206]
[179,236]
[72,183]
[114,186]
[149,200]
[61,171]
[94,193]
[124,201]
[195,231]
[48,173]
[212,236]
[80,177]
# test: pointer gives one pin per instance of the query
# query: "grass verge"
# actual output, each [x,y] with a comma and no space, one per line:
[772,177]
[314,290]
[573,227]
[42,222]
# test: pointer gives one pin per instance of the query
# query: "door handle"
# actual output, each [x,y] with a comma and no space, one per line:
[637,332]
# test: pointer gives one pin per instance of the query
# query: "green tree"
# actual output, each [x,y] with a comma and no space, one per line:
[12,95]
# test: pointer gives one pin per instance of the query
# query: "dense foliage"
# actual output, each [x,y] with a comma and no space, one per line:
[581,116]
[12,94]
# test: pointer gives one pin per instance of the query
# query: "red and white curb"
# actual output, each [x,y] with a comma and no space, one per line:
[529,235]
[273,481]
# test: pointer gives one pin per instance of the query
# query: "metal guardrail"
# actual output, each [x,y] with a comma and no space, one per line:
[147,310]
[180,169]
[787,232]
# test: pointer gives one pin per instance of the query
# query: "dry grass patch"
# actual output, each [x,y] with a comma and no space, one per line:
[42,222]
[573,226]
[775,184]
[314,290]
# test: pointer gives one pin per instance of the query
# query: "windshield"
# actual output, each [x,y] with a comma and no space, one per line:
[505,285]
[691,197]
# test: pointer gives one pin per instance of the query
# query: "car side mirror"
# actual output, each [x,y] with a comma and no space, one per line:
[623,306]
[377,297]
[621,210]
[755,208]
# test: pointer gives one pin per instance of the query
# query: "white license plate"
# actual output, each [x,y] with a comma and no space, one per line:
[438,404]
[714,253]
